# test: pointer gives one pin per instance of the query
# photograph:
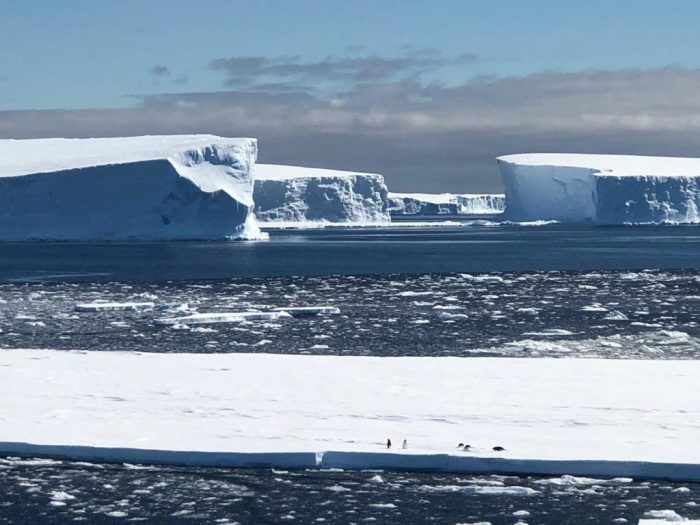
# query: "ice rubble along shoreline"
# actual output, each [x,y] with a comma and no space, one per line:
[298,195]
[150,187]
[446,203]
[337,412]
[603,189]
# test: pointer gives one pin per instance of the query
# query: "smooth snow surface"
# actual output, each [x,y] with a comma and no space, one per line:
[553,416]
[445,203]
[152,187]
[609,189]
[302,195]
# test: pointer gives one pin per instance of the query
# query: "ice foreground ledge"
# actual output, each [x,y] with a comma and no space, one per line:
[283,410]
[293,194]
[608,189]
[152,187]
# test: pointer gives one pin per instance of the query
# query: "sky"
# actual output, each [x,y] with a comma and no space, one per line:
[425,92]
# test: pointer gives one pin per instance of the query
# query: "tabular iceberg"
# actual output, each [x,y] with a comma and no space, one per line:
[605,189]
[293,194]
[152,187]
[445,204]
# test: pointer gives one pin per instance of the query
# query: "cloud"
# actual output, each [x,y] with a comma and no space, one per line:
[422,136]
[159,71]
[246,71]
[181,80]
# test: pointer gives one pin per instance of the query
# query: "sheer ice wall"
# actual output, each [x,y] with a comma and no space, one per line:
[153,187]
[605,189]
[296,194]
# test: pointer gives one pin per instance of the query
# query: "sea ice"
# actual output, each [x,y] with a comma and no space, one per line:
[222,317]
[106,306]
[337,412]
[307,311]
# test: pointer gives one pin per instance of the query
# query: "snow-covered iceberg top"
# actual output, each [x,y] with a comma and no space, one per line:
[610,189]
[293,194]
[151,187]
[615,165]
[446,203]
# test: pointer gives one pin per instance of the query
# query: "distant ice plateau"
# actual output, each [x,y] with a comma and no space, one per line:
[601,189]
[446,204]
[151,187]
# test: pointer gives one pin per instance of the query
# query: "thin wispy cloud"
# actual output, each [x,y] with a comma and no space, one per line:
[159,71]
[256,71]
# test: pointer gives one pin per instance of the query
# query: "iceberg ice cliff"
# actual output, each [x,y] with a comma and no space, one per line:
[605,189]
[151,187]
[293,194]
[445,204]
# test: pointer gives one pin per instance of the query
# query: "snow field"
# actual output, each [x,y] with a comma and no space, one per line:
[553,416]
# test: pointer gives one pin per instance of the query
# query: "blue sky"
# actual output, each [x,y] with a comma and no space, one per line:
[426,92]
[84,53]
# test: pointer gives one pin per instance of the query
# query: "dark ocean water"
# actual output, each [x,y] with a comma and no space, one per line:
[355,251]
[618,292]
[42,491]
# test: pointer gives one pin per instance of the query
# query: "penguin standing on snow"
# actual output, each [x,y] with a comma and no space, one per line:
[405,443]
[388,443]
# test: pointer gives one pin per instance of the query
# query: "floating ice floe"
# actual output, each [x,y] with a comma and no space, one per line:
[307,311]
[616,315]
[656,517]
[550,332]
[221,317]
[106,306]
[173,307]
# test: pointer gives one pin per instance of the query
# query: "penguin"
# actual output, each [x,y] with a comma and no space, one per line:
[498,449]
[461,445]
[388,443]
[405,444]
[466,447]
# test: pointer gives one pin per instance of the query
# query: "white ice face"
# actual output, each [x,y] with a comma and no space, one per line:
[292,194]
[605,189]
[154,187]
